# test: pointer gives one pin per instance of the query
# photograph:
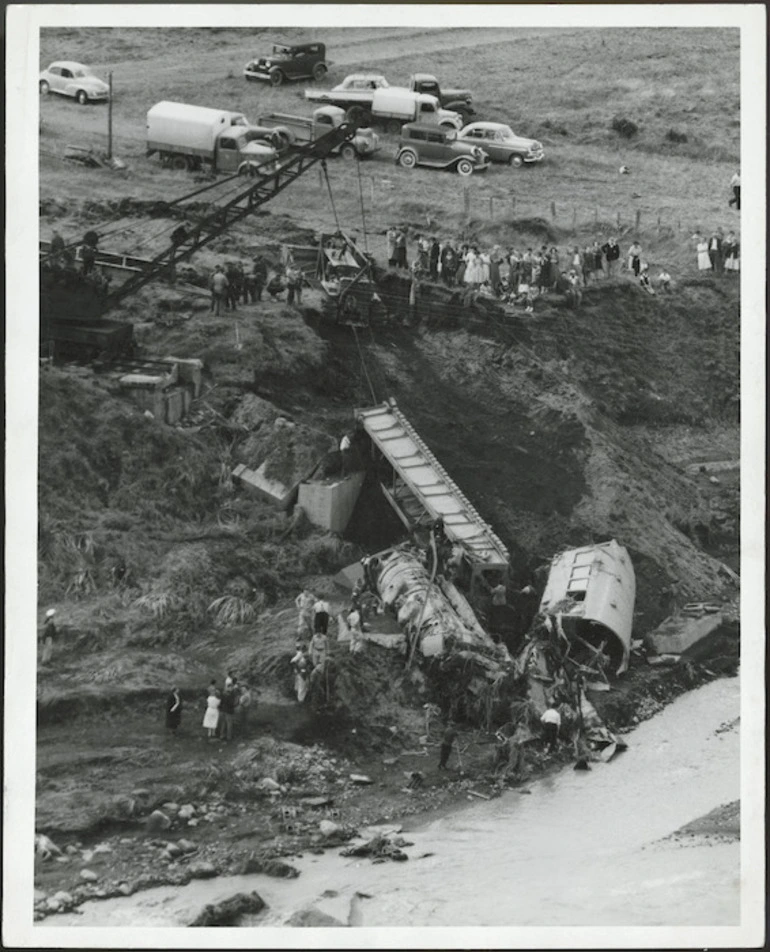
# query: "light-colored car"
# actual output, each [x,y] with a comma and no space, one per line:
[502,144]
[75,80]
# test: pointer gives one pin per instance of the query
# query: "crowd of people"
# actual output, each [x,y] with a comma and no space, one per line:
[519,276]
[719,252]
[227,709]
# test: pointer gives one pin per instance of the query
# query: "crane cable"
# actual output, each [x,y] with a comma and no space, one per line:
[331,197]
[363,365]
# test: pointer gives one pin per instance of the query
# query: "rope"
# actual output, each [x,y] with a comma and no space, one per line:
[361,196]
[331,197]
[363,364]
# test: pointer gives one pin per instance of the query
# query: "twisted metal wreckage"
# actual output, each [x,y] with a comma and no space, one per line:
[581,633]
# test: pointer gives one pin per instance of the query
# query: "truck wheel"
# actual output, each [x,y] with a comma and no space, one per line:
[516,161]
[44,88]
[276,77]
[81,96]
[348,152]
[178,162]
[319,71]
[393,126]
[408,159]
[465,167]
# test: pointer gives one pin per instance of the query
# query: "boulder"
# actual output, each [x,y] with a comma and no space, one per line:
[173,849]
[39,895]
[71,850]
[88,875]
[171,807]
[157,821]
[254,863]
[45,846]
[313,918]
[203,871]
[192,822]
[187,846]
[63,897]
[186,811]
[267,783]
[52,905]
[328,827]
[125,889]
[230,911]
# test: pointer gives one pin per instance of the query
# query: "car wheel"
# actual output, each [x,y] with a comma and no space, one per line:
[319,71]
[44,88]
[516,161]
[179,162]
[348,152]
[276,77]
[465,167]
[407,159]
[81,96]
[393,126]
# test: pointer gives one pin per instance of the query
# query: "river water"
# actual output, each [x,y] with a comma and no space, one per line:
[583,848]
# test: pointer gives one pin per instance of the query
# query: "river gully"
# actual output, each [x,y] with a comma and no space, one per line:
[583,848]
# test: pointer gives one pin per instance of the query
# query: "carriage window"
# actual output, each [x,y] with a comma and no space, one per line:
[435,137]
[67,74]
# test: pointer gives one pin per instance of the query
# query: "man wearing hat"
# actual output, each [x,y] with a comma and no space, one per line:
[49,633]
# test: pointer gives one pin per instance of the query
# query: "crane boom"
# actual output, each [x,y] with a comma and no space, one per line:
[260,191]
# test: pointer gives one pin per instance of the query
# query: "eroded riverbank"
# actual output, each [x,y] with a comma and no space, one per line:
[583,848]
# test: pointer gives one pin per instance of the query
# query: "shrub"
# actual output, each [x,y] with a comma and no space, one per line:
[673,136]
[624,127]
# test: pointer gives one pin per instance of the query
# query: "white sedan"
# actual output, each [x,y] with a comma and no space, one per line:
[502,144]
[75,80]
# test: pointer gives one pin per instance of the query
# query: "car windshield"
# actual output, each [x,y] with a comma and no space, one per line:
[505,132]
[82,72]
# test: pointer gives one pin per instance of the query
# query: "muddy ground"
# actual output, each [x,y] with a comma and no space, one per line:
[563,427]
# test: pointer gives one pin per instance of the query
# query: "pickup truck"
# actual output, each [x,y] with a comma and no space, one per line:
[458,100]
[369,98]
[187,136]
[302,129]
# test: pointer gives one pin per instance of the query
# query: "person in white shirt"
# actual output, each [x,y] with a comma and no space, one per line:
[551,721]
[305,603]
[735,185]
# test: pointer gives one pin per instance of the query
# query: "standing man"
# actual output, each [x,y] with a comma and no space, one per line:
[321,616]
[433,257]
[219,285]
[49,635]
[259,273]
[611,251]
[305,602]
[551,721]
[447,740]
[735,185]
[345,452]
[401,249]
[227,710]
[715,251]
[318,647]
[293,283]
[635,257]
[390,237]
[243,707]
[499,598]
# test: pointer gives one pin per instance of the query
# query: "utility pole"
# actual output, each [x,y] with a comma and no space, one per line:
[109,122]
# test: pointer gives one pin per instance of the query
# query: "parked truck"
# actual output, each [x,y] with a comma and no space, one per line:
[302,129]
[368,98]
[458,100]
[189,137]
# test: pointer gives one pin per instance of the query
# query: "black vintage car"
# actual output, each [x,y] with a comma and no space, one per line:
[305,61]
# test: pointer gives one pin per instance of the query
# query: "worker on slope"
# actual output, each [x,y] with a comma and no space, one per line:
[447,740]
[305,602]
[551,721]
[219,285]
[49,635]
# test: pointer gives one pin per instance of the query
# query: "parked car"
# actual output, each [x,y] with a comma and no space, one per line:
[502,144]
[423,143]
[75,80]
[304,61]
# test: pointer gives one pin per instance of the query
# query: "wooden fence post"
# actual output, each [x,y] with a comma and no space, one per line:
[574,217]
[658,224]
[638,218]
[618,219]
[491,209]
[467,201]
[371,183]
[553,210]
[513,206]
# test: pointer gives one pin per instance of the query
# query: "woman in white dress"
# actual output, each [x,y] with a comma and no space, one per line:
[211,717]
[702,251]
[473,268]
[731,250]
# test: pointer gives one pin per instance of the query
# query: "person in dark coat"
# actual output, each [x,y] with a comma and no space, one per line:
[174,710]
[447,740]
[433,255]
[612,254]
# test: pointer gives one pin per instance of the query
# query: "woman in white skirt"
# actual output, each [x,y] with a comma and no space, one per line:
[731,250]
[211,717]
[702,250]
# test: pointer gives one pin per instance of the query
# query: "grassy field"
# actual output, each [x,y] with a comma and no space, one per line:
[544,82]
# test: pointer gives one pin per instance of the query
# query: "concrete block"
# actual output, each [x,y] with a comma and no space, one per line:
[329,504]
[270,489]
[683,636]
[174,405]
[190,371]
